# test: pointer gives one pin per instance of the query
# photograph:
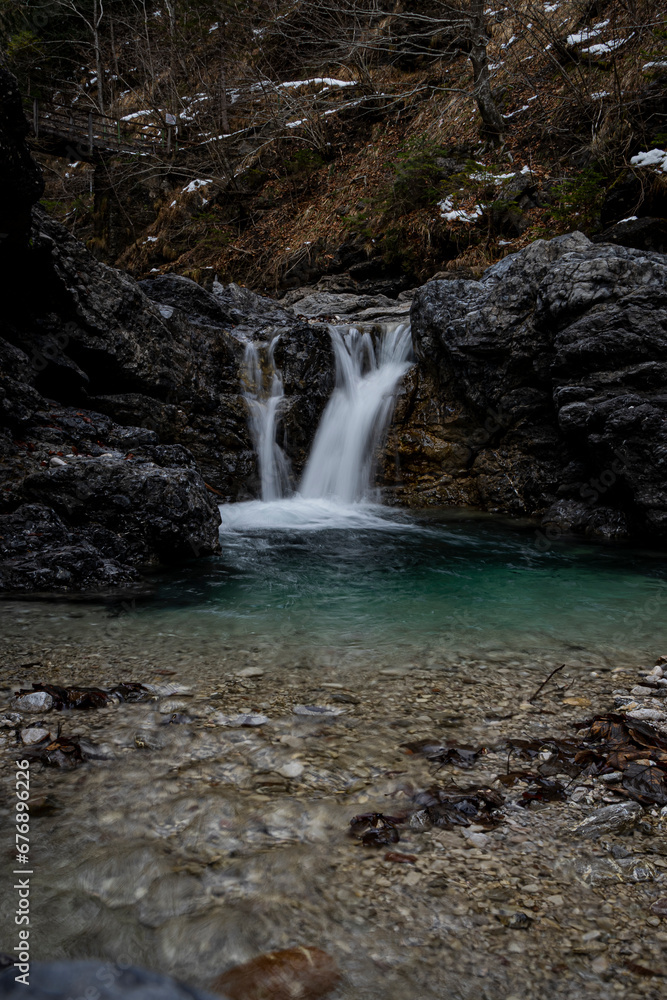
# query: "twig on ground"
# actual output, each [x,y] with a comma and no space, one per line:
[545,682]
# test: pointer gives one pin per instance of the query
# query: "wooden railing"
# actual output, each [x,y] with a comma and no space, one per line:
[90,133]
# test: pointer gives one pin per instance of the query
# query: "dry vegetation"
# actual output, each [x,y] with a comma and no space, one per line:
[389,159]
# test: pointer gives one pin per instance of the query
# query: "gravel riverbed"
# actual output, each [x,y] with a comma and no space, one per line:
[213,822]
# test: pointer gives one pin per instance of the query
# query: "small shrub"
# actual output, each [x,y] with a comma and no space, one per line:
[580,199]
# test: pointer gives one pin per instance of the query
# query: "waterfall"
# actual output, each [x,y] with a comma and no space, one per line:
[264,404]
[369,365]
[354,423]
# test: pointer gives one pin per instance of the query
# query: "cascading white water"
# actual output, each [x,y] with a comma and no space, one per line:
[344,453]
[264,404]
[339,472]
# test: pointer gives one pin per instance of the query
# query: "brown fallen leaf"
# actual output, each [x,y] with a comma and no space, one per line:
[400,859]
[641,970]
[290,974]
[579,702]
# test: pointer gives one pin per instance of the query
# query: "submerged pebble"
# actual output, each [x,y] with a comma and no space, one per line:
[34,701]
[317,710]
[611,819]
[243,719]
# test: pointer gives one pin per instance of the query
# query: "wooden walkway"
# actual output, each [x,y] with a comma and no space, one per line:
[87,135]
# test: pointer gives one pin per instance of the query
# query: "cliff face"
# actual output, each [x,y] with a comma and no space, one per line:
[123,424]
[542,389]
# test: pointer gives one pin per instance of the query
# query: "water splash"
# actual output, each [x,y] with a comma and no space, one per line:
[264,406]
[344,454]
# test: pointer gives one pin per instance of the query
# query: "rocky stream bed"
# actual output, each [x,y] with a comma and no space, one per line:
[210,822]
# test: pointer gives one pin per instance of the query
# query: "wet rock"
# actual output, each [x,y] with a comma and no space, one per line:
[34,734]
[163,514]
[307,973]
[40,552]
[659,908]
[609,870]
[9,720]
[539,390]
[34,701]
[515,921]
[243,719]
[293,769]
[250,672]
[619,818]
[103,980]
[317,711]
[648,714]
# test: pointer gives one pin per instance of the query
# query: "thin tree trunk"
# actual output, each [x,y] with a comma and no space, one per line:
[494,125]
[224,119]
[98,11]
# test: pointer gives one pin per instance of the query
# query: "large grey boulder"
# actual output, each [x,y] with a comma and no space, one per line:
[542,389]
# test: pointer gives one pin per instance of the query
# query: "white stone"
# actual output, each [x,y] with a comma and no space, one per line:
[34,701]
[34,734]
[316,710]
[291,770]
[250,672]
[57,461]
[648,714]
[243,719]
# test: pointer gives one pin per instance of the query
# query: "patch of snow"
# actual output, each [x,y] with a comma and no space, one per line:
[151,239]
[652,158]
[654,65]
[630,218]
[602,47]
[173,203]
[484,175]
[214,27]
[494,66]
[551,7]
[518,111]
[509,42]
[451,214]
[586,34]
[135,114]
[326,81]
[599,94]
[195,185]
[75,164]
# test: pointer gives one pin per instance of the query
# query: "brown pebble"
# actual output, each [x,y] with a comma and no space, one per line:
[291,974]
[401,859]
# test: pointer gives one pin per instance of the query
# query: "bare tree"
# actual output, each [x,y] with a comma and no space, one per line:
[365,34]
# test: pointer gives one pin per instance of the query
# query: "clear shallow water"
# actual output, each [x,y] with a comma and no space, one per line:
[312,579]
[189,848]
[314,574]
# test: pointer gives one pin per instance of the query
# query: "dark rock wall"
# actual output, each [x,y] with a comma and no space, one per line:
[122,425]
[542,389]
